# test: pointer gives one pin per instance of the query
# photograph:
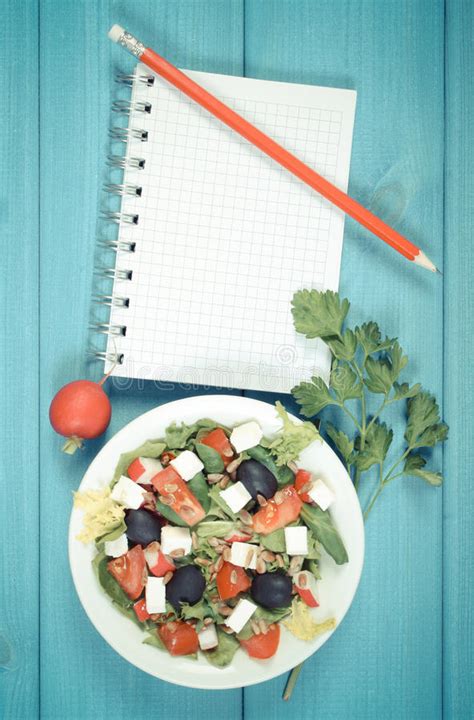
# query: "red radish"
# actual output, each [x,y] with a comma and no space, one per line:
[80,411]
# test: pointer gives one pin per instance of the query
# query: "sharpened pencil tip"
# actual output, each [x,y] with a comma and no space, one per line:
[424,261]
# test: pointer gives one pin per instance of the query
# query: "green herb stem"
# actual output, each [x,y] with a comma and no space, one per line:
[292,678]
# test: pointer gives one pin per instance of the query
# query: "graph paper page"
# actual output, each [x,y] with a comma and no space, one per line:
[225,236]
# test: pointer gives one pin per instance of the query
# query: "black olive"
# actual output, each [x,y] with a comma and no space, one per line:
[257,479]
[272,589]
[187,586]
[143,526]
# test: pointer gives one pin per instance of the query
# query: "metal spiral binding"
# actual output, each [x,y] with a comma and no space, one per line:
[125,79]
[125,107]
[120,189]
[125,134]
[120,136]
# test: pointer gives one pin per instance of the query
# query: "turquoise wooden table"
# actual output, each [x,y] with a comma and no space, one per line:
[405,649]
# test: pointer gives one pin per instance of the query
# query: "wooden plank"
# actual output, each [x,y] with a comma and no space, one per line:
[82,677]
[458,532]
[385,660]
[19,532]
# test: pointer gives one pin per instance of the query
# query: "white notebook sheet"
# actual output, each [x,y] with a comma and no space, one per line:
[225,236]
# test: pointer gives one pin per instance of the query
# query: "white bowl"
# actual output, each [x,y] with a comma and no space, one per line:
[336,588]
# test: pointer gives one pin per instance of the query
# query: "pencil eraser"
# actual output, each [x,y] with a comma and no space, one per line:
[116,32]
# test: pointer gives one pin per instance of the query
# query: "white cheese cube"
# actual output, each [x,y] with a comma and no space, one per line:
[208,637]
[155,595]
[246,436]
[296,540]
[241,615]
[128,493]
[175,538]
[187,464]
[321,494]
[116,548]
[243,554]
[236,496]
[143,470]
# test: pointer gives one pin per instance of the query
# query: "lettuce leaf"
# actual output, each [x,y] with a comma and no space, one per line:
[223,654]
[149,449]
[292,439]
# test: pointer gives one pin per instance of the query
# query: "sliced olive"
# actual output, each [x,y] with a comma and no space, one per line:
[257,479]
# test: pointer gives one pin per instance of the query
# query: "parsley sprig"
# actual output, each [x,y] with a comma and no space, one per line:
[365,367]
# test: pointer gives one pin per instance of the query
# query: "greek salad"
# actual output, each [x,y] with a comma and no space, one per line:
[210,538]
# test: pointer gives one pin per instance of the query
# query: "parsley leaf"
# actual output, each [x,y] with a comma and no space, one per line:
[403,390]
[377,442]
[342,442]
[424,428]
[343,348]
[414,466]
[370,338]
[345,382]
[379,375]
[313,396]
[318,314]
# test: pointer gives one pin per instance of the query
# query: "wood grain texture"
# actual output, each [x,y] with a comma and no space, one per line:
[385,660]
[458,529]
[82,677]
[19,556]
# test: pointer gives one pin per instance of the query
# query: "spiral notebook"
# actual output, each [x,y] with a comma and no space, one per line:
[214,237]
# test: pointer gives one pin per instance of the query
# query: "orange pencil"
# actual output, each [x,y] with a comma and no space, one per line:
[270,147]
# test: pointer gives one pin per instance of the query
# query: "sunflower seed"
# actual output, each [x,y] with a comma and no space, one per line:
[207,621]
[224,610]
[228,452]
[212,577]
[170,487]
[202,561]
[295,564]
[261,567]
[293,466]
[214,598]
[226,554]
[213,542]
[167,577]
[168,499]
[233,577]
[268,556]
[255,627]
[263,626]
[187,510]
[245,517]
[172,627]
[279,497]
[227,630]
[194,540]
[214,478]
[224,482]
[234,465]
[219,563]
[249,557]
[179,552]
[280,561]
[262,501]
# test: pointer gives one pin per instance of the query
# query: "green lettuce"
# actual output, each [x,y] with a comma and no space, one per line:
[292,439]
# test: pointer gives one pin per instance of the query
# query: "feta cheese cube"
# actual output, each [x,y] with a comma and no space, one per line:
[128,493]
[243,554]
[236,496]
[241,615]
[143,469]
[175,538]
[155,595]
[208,637]
[187,464]
[246,436]
[321,494]
[116,548]
[296,540]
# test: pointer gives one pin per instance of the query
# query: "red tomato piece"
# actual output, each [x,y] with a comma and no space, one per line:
[218,441]
[231,580]
[283,509]
[179,638]
[263,646]
[140,610]
[184,503]
[303,477]
[238,537]
[129,570]
[157,561]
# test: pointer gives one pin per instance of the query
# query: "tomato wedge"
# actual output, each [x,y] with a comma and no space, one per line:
[231,580]
[218,441]
[283,509]
[303,477]
[179,638]
[129,570]
[179,496]
[140,610]
[263,646]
